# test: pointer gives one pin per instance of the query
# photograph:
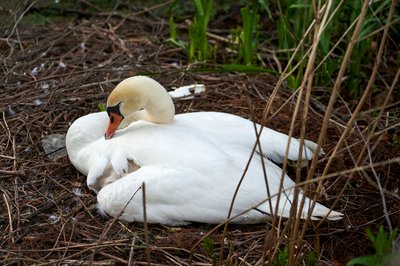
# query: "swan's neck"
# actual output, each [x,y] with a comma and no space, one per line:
[157,104]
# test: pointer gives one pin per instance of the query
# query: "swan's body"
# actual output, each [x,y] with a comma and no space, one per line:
[191,163]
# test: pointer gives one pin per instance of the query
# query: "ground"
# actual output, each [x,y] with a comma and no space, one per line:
[53,74]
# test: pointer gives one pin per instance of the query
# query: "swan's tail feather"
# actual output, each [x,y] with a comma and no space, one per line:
[313,146]
[319,211]
[332,216]
[335,216]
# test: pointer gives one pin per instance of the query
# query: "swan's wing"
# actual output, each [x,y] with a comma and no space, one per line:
[177,195]
[81,139]
[141,144]
[174,196]
[90,153]
[254,184]
[200,191]
[235,130]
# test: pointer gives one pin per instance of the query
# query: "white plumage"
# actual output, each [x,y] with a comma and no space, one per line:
[191,165]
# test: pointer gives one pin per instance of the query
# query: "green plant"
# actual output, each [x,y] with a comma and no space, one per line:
[101,107]
[357,58]
[282,259]
[247,38]
[295,18]
[295,22]
[198,41]
[365,49]
[291,25]
[208,245]
[173,32]
[311,258]
[395,139]
[382,244]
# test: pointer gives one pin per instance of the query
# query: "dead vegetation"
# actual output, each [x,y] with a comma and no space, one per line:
[51,75]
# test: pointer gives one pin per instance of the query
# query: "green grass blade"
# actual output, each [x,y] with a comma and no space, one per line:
[264,4]
[207,14]
[232,68]
[199,8]
[172,27]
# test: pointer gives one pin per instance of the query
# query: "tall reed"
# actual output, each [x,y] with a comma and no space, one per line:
[198,41]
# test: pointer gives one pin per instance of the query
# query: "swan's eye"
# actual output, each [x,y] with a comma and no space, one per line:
[114,110]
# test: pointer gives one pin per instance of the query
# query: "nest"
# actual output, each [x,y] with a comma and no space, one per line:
[51,75]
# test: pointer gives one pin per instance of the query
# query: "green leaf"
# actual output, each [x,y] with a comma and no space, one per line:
[207,14]
[366,260]
[264,4]
[208,245]
[198,41]
[101,107]
[248,42]
[283,257]
[199,8]
[311,258]
[299,6]
[172,28]
[382,245]
[232,68]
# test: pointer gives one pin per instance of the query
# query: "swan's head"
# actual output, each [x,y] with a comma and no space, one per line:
[123,100]
[138,98]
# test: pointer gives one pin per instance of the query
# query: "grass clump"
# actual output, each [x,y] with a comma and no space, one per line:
[295,22]
[382,244]
[198,41]
[209,247]
[282,258]
[248,34]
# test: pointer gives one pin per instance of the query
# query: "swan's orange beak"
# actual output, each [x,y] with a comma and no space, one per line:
[115,120]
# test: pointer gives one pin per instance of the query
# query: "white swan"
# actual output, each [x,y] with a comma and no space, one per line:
[191,163]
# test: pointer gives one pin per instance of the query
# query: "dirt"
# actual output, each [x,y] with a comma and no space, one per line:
[51,75]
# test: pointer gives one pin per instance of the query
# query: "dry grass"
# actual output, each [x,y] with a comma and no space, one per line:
[48,214]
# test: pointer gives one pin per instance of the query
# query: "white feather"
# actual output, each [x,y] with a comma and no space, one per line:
[191,168]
